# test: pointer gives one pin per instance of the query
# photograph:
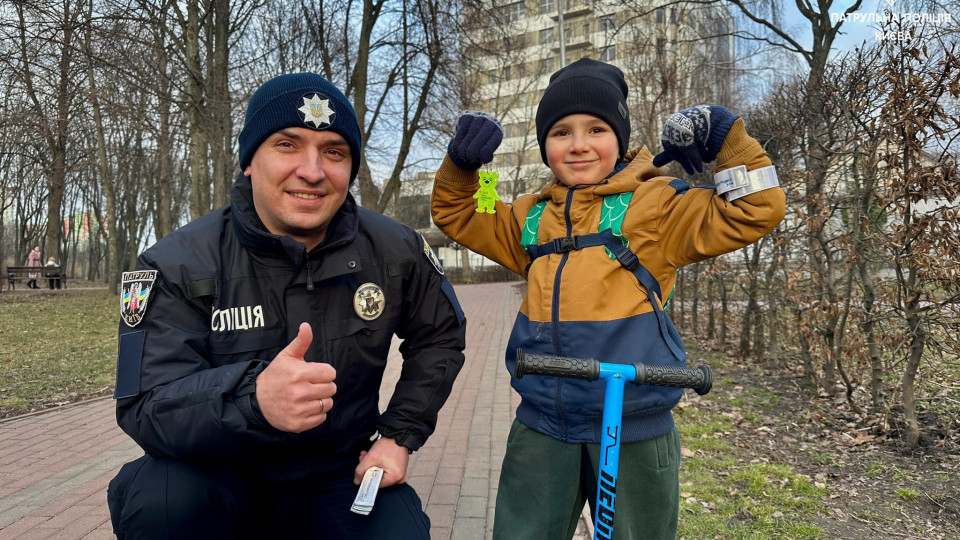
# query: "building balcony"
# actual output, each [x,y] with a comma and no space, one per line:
[574,8]
[574,43]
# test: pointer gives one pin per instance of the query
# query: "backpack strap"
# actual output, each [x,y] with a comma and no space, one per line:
[611,216]
[610,236]
[531,226]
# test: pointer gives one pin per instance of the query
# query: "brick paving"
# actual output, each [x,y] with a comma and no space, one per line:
[55,465]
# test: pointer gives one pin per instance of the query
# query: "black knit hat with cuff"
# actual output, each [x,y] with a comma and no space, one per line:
[304,100]
[585,87]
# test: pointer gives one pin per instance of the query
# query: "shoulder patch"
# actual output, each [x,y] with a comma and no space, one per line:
[135,288]
[430,256]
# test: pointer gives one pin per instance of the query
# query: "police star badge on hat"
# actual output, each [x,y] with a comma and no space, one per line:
[316,111]
[369,301]
[135,291]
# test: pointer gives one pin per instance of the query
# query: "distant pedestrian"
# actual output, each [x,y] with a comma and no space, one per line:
[52,271]
[33,259]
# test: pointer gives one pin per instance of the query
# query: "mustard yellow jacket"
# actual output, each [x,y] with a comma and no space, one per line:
[582,303]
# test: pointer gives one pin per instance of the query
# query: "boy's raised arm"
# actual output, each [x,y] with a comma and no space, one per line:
[701,223]
[461,209]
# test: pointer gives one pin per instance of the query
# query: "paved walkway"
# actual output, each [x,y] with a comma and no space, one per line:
[55,466]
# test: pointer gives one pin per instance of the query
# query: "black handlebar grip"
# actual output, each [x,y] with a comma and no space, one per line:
[699,379]
[556,366]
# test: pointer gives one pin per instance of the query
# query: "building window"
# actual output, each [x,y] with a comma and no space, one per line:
[546,35]
[608,54]
[492,76]
[507,73]
[511,43]
[607,24]
[660,16]
[508,131]
[515,11]
[567,34]
[546,65]
[547,7]
[586,30]
[522,71]
[673,15]
[660,44]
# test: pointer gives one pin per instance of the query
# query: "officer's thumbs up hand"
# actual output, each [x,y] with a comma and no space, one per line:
[295,395]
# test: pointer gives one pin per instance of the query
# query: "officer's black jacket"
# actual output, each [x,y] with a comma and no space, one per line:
[186,371]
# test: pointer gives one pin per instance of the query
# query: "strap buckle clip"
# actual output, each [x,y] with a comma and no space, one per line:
[567,243]
[628,259]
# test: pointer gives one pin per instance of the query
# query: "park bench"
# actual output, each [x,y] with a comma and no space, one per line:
[22,273]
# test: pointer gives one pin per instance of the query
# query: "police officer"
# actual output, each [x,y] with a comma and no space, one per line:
[254,340]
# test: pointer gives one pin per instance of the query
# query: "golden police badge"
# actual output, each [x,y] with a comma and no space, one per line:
[369,301]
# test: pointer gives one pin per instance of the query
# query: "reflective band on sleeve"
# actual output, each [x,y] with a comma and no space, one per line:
[738,181]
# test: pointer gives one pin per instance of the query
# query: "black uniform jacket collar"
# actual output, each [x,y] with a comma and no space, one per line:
[255,237]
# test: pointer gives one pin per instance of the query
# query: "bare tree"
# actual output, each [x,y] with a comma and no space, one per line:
[921,192]
[45,34]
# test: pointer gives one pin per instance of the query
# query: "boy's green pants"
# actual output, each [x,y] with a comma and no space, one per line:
[544,484]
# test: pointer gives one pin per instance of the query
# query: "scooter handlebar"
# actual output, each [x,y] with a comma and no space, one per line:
[699,379]
[556,366]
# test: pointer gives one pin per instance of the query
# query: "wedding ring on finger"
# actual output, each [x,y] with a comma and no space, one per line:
[322,407]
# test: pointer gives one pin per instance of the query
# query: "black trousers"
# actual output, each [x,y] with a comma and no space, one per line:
[167,498]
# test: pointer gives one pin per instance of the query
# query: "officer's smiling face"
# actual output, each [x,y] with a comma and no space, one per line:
[300,179]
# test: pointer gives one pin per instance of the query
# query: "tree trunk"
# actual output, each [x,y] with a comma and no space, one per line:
[695,300]
[711,309]
[811,375]
[751,315]
[465,269]
[772,347]
[112,268]
[218,117]
[369,193]
[914,355]
[867,325]
[199,181]
[724,311]
[163,222]
[838,345]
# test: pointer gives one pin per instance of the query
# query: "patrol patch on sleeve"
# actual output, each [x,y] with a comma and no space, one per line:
[135,290]
[430,256]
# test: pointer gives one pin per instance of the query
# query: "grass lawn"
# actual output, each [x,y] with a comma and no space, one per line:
[56,347]
[727,491]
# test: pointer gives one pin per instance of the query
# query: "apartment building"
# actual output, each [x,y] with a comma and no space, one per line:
[668,54]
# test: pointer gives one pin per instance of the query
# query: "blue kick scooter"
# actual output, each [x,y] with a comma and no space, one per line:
[616,375]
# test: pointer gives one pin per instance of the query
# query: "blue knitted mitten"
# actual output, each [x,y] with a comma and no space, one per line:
[478,136]
[694,136]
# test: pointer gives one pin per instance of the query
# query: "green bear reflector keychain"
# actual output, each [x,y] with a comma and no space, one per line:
[487,195]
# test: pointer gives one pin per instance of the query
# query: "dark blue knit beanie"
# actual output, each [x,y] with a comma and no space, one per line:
[299,100]
[585,87]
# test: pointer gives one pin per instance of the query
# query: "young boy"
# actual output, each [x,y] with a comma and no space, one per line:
[587,294]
